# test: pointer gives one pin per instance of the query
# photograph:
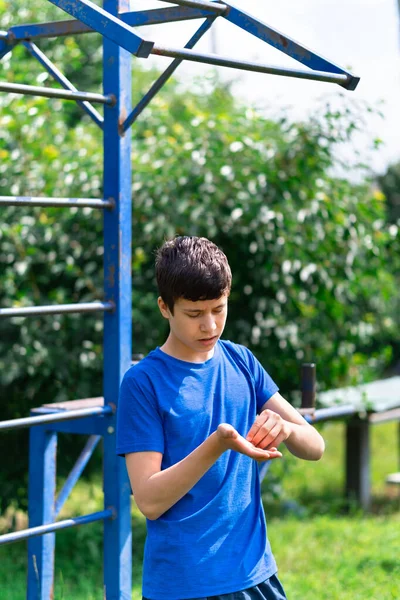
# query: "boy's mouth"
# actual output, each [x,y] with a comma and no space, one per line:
[209,340]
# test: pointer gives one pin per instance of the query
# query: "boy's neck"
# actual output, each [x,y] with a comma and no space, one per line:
[173,347]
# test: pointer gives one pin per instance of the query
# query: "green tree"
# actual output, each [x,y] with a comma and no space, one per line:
[311,255]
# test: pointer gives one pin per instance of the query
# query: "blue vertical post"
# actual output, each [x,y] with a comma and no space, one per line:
[41,498]
[117,288]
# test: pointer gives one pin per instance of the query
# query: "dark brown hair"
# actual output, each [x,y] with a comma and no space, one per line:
[192,268]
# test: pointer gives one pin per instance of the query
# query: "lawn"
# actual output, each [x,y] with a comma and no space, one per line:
[322,552]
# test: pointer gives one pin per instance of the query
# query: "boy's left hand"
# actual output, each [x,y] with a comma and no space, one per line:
[268,430]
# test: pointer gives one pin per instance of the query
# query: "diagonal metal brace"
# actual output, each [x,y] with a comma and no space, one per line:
[58,76]
[285,44]
[105,23]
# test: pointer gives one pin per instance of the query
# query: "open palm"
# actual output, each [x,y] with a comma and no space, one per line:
[234,441]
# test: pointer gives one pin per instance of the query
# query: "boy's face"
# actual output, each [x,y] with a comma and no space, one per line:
[195,327]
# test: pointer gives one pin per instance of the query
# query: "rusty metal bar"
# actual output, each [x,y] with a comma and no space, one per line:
[57,309]
[32,90]
[213,59]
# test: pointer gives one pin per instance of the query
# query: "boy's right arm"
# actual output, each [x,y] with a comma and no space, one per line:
[156,490]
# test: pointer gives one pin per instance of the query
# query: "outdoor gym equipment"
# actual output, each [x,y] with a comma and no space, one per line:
[95,418]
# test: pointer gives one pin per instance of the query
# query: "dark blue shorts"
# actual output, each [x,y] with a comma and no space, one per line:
[270,589]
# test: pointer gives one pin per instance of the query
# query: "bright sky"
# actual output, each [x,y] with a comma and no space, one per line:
[363,35]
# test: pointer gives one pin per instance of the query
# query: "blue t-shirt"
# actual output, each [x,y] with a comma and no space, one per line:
[214,540]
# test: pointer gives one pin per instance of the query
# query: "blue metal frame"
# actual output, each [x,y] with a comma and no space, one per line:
[107,23]
[117,289]
[114,21]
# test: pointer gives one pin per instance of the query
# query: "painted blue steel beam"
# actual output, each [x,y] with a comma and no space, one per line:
[57,309]
[56,202]
[58,76]
[213,59]
[163,15]
[157,16]
[284,43]
[157,85]
[48,92]
[41,490]
[76,472]
[57,417]
[17,536]
[107,23]
[117,78]
[4,48]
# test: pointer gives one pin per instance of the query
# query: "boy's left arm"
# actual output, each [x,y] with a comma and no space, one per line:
[279,422]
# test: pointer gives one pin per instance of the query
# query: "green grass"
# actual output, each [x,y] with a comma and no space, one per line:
[322,551]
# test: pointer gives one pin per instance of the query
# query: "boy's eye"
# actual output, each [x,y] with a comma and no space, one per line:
[192,316]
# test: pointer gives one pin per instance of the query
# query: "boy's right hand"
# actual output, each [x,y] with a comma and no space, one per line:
[232,440]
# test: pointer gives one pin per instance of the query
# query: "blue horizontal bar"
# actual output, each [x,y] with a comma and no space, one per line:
[105,23]
[55,202]
[92,425]
[285,44]
[25,534]
[157,85]
[162,15]
[76,472]
[32,31]
[47,92]
[57,417]
[56,309]
[213,59]
[58,76]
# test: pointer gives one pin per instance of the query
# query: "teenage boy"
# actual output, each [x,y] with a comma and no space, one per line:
[194,419]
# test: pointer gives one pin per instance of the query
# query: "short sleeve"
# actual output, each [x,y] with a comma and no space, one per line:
[265,386]
[139,424]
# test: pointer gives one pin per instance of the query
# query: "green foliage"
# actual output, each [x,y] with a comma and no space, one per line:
[389,183]
[310,252]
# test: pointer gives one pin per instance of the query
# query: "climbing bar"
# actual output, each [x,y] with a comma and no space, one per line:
[213,59]
[284,43]
[76,472]
[31,90]
[157,85]
[57,309]
[213,6]
[56,202]
[25,534]
[105,23]
[68,415]
[334,412]
[58,76]
[33,31]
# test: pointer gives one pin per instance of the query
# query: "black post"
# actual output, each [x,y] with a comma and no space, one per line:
[357,463]
[308,382]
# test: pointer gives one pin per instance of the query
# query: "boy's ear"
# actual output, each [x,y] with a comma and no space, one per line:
[164,310]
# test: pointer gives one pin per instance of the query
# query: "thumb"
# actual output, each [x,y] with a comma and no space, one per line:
[226,431]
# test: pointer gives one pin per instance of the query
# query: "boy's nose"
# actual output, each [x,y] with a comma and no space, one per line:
[208,325]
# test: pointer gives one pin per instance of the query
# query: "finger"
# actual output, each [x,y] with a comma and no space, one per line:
[269,438]
[258,424]
[276,442]
[253,431]
[272,456]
